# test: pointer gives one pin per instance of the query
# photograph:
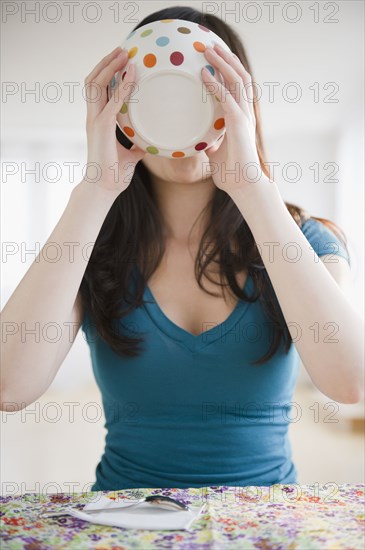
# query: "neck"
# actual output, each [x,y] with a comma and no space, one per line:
[181,204]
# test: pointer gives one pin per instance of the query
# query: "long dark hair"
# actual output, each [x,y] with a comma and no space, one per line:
[132,234]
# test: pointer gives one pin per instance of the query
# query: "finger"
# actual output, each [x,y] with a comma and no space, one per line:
[235,61]
[234,87]
[103,63]
[235,83]
[230,76]
[96,90]
[121,93]
[247,90]
[228,102]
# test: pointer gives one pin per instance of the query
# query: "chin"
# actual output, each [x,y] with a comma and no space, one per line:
[188,169]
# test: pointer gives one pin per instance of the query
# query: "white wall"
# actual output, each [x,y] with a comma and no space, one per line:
[350,199]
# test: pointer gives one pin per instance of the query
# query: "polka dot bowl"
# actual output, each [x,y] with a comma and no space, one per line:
[170,112]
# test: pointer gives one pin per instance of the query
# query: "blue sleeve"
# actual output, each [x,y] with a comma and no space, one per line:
[323,240]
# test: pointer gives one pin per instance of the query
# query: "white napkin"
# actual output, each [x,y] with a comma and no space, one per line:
[142,516]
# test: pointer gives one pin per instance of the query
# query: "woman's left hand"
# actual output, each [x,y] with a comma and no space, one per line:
[234,159]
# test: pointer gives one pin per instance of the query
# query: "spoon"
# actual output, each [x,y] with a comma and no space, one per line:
[158,501]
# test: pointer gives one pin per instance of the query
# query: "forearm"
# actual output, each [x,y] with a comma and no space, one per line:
[311,301]
[46,294]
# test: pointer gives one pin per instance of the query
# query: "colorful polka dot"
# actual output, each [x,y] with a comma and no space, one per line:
[203,28]
[200,146]
[132,52]
[167,20]
[162,41]
[199,46]
[146,33]
[184,30]
[149,60]
[129,131]
[178,154]
[152,150]
[210,69]
[124,108]
[219,123]
[176,58]
[113,82]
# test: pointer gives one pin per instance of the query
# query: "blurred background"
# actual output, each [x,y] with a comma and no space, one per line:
[308,64]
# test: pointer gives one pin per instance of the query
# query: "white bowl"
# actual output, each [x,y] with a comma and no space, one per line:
[170,113]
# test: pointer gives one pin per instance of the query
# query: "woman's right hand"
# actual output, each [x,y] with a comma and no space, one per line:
[110,165]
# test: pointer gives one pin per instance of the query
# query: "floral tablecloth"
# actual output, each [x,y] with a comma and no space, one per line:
[279,517]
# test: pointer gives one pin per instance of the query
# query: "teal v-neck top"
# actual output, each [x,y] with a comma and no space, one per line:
[191,411]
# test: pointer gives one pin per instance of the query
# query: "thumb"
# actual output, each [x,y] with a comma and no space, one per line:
[136,153]
[210,151]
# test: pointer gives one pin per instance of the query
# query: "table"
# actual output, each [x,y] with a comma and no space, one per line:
[279,517]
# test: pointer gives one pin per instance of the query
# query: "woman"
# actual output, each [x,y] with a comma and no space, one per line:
[196,383]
